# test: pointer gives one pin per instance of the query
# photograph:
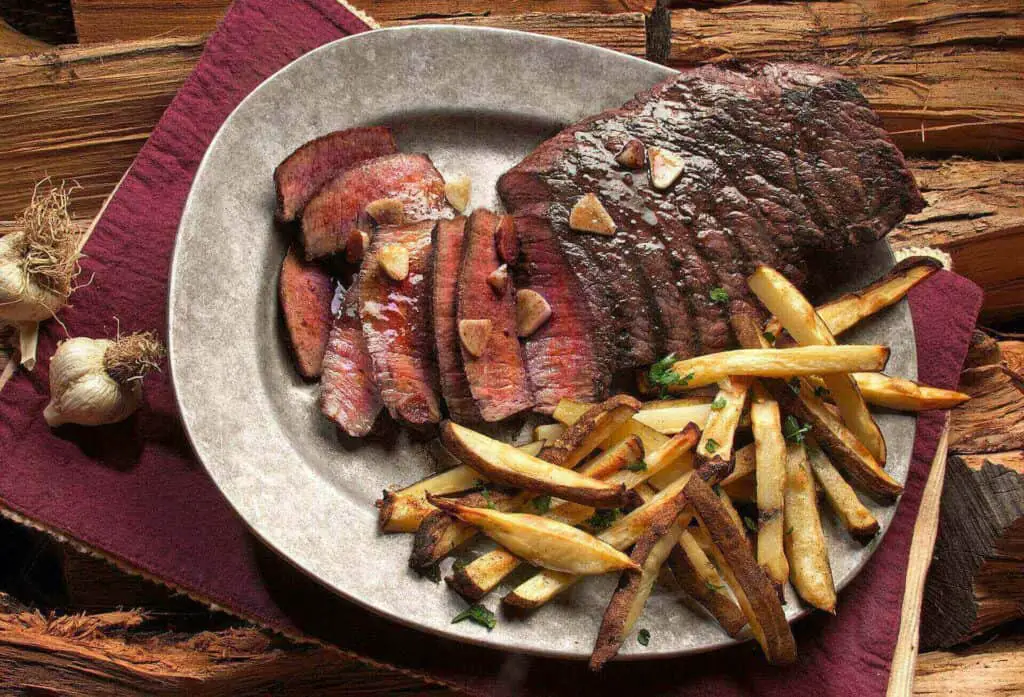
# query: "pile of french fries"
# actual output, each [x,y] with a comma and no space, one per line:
[631,487]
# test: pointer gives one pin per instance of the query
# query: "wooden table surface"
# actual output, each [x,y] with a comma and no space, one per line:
[944,75]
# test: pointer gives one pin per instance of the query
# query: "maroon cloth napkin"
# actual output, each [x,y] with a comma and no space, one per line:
[134,492]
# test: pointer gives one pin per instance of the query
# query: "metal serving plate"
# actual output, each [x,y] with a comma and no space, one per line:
[477,100]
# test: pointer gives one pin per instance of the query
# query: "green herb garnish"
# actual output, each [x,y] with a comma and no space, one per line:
[794,384]
[478,614]
[662,375]
[713,587]
[770,337]
[821,392]
[719,295]
[486,493]
[638,466]
[793,430]
[718,404]
[711,446]
[789,530]
[433,572]
[643,637]
[542,504]
[749,522]
[603,518]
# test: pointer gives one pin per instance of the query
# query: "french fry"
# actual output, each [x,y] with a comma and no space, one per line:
[780,363]
[500,462]
[627,603]
[848,453]
[700,580]
[905,395]
[770,446]
[855,517]
[548,433]
[404,510]
[439,533]
[483,574]
[753,590]
[797,315]
[671,416]
[568,412]
[809,567]
[591,430]
[720,430]
[744,465]
[541,541]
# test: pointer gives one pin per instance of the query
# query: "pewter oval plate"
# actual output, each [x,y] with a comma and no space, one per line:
[477,101]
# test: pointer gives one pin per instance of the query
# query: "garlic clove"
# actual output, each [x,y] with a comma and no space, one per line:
[632,155]
[474,334]
[498,279]
[666,167]
[386,211]
[532,311]
[458,190]
[394,260]
[588,215]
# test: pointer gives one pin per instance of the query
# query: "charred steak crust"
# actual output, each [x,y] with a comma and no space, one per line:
[448,239]
[348,391]
[778,160]
[301,174]
[398,326]
[330,216]
[497,378]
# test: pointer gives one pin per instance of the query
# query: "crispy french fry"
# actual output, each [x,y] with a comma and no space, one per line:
[905,395]
[671,416]
[855,517]
[744,465]
[483,574]
[781,363]
[502,463]
[700,580]
[770,448]
[627,603]
[848,453]
[568,412]
[590,431]
[716,441]
[548,433]
[439,533]
[753,590]
[809,567]
[404,510]
[797,315]
[541,541]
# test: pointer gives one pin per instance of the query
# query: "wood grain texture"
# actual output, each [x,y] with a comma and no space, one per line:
[995,669]
[943,74]
[120,20]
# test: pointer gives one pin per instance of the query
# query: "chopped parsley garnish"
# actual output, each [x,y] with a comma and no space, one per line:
[789,530]
[717,489]
[478,614]
[638,466]
[542,504]
[433,572]
[770,337]
[793,430]
[711,446]
[603,518]
[821,392]
[460,564]
[713,587]
[719,295]
[663,377]
[486,493]
[794,384]
[643,637]
[719,403]
[749,522]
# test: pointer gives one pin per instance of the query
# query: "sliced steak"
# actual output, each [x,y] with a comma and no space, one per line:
[302,173]
[398,327]
[497,377]
[348,392]
[447,255]
[777,161]
[566,357]
[330,216]
[305,292]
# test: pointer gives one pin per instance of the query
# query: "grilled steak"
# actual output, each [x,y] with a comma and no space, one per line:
[348,392]
[307,169]
[330,216]
[397,325]
[305,292]
[447,255]
[497,377]
[776,161]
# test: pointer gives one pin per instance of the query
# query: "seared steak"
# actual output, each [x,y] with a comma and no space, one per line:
[330,216]
[776,161]
[305,292]
[447,255]
[397,325]
[497,377]
[302,173]
[348,392]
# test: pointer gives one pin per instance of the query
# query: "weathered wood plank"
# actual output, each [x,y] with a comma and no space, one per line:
[994,669]
[943,74]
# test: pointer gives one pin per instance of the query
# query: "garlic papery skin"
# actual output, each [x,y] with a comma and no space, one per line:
[98,381]
[22,299]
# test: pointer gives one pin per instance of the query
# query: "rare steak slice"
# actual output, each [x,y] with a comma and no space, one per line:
[331,214]
[447,255]
[566,357]
[397,324]
[301,174]
[348,392]
[305,292]
[496,374]
[765,164]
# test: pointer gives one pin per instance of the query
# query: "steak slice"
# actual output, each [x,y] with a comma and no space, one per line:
[447,255]
[497,378]
[777,161]
[305,292]
[398,328]
[330,216]
[348,392]
[566,357]
[301,174]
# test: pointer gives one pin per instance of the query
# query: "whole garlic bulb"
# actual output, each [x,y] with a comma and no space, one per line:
[99,381]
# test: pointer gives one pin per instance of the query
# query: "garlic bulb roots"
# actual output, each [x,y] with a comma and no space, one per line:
[99,381]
